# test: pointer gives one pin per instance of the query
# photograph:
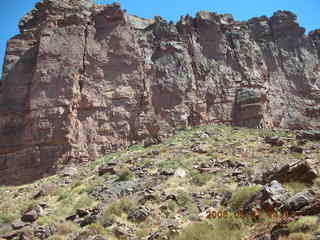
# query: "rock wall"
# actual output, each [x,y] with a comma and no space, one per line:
[81,80]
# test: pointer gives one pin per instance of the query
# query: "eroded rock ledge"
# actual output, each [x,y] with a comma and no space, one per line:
[83,79]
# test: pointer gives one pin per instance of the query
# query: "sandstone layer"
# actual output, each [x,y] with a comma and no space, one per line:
[81,80]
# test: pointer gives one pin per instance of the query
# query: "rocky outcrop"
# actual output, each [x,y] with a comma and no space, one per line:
[81,80]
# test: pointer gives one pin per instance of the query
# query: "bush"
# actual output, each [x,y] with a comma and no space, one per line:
[200,179]
[84,201]
[66,228]
[183,199]
[57,237]
[298,236]
[125,175]
[303,224]
[242,195]
[295,187]
[119,207]
[6,218]
[220,229]
[96,229]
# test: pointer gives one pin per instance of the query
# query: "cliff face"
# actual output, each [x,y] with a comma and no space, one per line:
[81,80]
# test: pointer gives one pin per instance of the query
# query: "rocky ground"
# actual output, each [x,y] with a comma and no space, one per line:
[212,182]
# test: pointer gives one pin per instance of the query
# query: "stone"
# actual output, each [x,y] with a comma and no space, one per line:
[296,149]
[82,212]
[313,208]
[226,198]
[167,172]
[69,172]
[200,148]
[274,140]
[122,231]
[263,237]
[45,189]
[138,214]
[302,170]
[276,192]
[279,231]
[44,232]
[149,142]
[180,173]
[316,236]
[313,135]
[106,169]
[87,220]
[51,118]
[112,190]
[299,200]
[18,224]
[30,216]
[99,237]
[272,196]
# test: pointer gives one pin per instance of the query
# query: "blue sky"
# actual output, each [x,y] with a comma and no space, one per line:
[308,11]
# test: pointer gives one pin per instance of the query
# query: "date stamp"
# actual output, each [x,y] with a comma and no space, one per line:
[252,214]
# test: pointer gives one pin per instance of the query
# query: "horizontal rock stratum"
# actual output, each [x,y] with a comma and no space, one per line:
[81,80]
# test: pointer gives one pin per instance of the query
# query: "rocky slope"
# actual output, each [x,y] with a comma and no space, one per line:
[211,182]
[81,80]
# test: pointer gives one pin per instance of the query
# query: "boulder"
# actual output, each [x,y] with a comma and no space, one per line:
[274,140]
[18,224]
[303,170]
[105,168]
[138,214]
[313,135]
[279,231]
[313,208]
[299,200]
[296,149]
[272,196]
[30,216]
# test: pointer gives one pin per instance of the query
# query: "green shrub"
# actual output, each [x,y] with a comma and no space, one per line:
[84,201]
[183,199]
[63,194]
[219,229]
[303,224]
[47,220]
[200,179]
[7,218]
[57,237]
[295,187]
[119,207]
[5,228]
[66,228]
[172,205]
[124,175]
[96,229]
[298,236]
[242,195]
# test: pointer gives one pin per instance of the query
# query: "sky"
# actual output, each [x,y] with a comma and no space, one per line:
[307,11]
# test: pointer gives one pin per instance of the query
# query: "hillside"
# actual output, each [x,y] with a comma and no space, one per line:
[211,182]
[81,80]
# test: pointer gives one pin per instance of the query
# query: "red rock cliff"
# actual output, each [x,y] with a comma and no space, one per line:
[81,80]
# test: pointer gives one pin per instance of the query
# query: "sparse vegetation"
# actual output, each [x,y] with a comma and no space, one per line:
[200,179]
[298,236]
[119,207]
[242,195]
[303,224]
[295,187]
[220,229]
[169,198]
